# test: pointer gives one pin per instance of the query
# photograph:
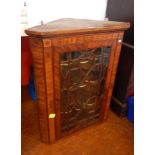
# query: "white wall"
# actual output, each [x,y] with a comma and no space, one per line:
[48,10]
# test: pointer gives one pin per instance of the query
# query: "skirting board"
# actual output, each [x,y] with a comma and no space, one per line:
[118,107]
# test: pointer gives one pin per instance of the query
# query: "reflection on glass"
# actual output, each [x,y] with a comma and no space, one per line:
[82,76]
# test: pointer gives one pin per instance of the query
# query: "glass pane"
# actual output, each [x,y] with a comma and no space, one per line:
[82,75]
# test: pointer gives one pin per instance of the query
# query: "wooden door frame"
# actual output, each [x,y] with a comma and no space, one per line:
[69,48]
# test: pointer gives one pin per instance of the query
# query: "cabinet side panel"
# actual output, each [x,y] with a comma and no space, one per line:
[108,78]
[39,73]
[113,75]
[48,61]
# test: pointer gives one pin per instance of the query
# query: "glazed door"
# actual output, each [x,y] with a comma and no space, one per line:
[81,81]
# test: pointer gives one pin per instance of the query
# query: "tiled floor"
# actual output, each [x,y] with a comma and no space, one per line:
[114,137]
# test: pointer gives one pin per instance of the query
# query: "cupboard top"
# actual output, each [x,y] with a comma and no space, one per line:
[69,26]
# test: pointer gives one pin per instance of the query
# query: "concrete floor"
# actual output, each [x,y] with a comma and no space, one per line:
[114,137]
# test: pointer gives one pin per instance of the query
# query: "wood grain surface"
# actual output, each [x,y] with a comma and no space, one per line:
[75,26]
[69,35]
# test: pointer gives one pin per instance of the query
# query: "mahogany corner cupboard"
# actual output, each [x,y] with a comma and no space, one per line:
[75,63]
